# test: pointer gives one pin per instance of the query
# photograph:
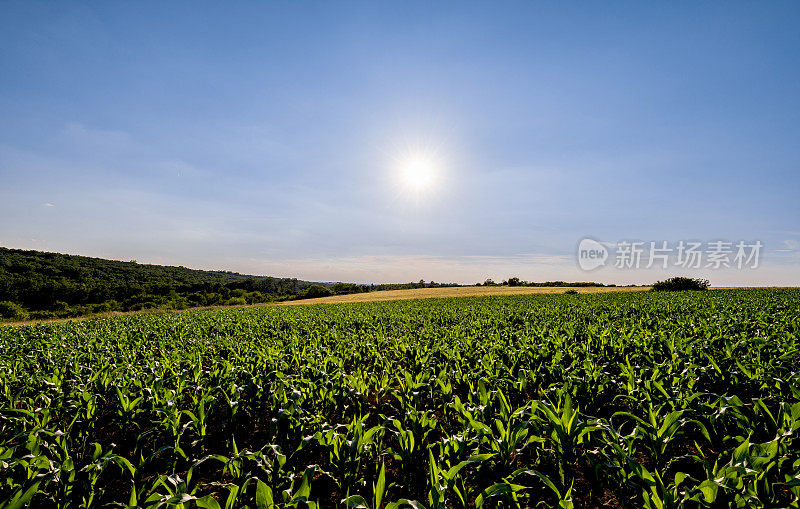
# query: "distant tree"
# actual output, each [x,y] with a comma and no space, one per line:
[317,291]
[514,281]
[676,284]
[12,311]
[489,282]
[345,288]
[253,297]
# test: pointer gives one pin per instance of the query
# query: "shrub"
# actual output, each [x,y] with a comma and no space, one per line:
[677,284]
[178,302]
[197,299]
[12,311]
[99,308]
[317,291]
[254,297]
[42,315]
[235,301]
[213,298]
[59,306]
[571,292]
[345,288]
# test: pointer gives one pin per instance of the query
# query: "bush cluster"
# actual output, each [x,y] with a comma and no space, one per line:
[678,284]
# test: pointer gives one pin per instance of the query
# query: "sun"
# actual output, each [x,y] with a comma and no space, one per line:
[418,172]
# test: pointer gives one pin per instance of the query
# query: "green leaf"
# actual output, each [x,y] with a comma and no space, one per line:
[497,489]
[233,494]
[669,422]
[133,500]
[355,502]
[264,496]
[125,465]
[22,499]
[546,480]
[709,490]
[305,486]
[404,502]
[380,487]
[207,502]
[98,450]
[740,453]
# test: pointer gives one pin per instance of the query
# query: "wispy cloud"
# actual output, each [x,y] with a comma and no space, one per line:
[792,245]
[388,268]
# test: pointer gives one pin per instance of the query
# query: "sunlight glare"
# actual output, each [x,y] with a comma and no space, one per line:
[418,172]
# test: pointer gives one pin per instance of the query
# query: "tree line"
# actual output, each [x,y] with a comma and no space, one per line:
[35,284]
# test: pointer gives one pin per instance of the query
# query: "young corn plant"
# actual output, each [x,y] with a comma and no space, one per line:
[347,451]
[657,432]
[568,430]
[379,489]
[512,493]
[655,493]
[448,478]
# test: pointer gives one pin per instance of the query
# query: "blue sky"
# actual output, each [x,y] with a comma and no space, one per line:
[270,138]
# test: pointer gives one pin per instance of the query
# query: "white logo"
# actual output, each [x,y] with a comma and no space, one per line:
[591,254]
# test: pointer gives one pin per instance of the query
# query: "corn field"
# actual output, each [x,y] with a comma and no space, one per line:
[607,400]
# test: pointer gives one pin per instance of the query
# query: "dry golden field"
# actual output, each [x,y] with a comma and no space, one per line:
[457,291]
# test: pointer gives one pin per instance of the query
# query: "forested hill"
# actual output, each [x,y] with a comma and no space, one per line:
[46,285]
[34,284]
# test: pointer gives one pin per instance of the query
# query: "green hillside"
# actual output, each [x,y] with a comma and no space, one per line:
[43,285]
